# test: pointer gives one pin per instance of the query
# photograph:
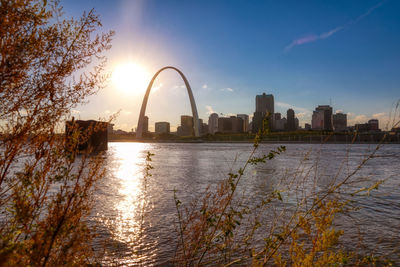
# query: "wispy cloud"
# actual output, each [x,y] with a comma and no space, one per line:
[210,110]
[296,109]
[127,112]
[316,37]
[179,86]
[382,117]
[227,89]
[156,88]
[205,86]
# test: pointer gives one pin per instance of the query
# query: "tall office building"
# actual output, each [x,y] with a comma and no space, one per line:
[373,125]
[322,118]
[339,122]
[278,123]
[186,125]
[245,119]
[277,116]
[213,123]
[162,127]
[230,125]
[264,106]
[146,124]
[290,120]
[265,103]
[257,121]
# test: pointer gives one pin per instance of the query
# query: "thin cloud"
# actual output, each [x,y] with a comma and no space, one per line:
[205,86]
[179,86]
[210,110]
[296,109]
[156,88]
[314,37]
[227,89]
[126,112]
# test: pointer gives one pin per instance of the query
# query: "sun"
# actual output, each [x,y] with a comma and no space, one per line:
[130,78]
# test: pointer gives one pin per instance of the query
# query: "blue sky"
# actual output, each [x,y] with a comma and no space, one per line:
[306,53]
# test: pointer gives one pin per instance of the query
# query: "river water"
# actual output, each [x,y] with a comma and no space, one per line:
[137,218]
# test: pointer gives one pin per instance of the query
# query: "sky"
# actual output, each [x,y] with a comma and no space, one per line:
[306,53]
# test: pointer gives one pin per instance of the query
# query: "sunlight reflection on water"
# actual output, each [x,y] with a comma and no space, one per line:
[123,206]
[138,214]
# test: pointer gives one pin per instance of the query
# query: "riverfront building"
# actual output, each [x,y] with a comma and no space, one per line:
[373,125]
[245,119]
[265,103]
[162,127]
[339,122]
[186,127]
[290,120]
[230,125]
[278,123]
[322,118]
[213,123]
[264,106]
[146,124]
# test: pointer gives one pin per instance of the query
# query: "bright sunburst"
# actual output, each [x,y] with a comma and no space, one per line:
[130,78]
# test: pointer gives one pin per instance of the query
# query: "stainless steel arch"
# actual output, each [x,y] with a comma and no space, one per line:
[139,130]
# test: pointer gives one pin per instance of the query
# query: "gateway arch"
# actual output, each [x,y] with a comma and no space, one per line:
[139,130]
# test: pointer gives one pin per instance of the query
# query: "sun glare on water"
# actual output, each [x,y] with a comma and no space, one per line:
[130,78]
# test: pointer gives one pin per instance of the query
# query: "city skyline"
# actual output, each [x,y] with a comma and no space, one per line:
[323,119]
[339,53]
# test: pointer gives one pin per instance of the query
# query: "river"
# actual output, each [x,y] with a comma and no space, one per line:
[137,218]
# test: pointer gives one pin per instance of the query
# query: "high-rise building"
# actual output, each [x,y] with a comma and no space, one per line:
[265,103]
[213,123]
[322,118]
[162,127]
[146,124]
[276,116]
[373,125]
[280,125]
[264,106]
[339,122]
[290,120]
[186,125]
[230,125]
[257,121]
[245,119]
[317,120]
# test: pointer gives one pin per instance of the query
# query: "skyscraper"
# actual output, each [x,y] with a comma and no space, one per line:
[146,124]
[339,122]
[213,123]
[265,103]
[373,125]
[245,119]
[230,125]
[290,120]
[187,125]
[264,106]
[322,118]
